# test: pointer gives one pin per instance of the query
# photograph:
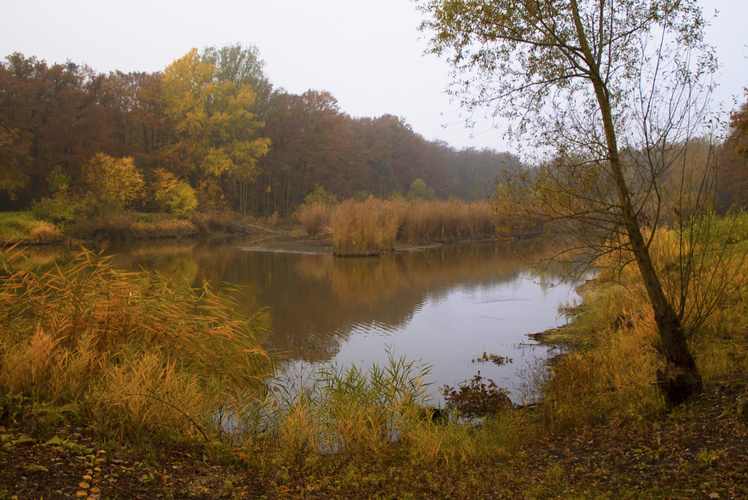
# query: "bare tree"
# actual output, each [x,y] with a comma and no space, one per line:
[614,91]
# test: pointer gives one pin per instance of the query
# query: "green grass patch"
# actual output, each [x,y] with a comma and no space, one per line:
[18,227]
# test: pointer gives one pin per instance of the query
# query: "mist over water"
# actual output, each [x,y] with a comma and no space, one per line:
[443,306]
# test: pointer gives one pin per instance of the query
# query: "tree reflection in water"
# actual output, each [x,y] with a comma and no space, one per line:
[444,306]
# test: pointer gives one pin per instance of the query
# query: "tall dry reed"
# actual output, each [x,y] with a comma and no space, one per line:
[133,349]
[315,217]
[365,228]
[374,226]
[447,221]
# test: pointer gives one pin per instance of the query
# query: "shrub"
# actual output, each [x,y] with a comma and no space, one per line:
[60,209]
[219,222]
[320,195]
[420,191]
[182,200]
[315,217]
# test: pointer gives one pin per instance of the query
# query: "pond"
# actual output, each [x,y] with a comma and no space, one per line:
[444,306]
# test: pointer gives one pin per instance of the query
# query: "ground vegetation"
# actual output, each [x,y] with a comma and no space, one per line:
[601,428]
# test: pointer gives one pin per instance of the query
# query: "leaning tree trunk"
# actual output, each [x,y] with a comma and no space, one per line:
[681,377]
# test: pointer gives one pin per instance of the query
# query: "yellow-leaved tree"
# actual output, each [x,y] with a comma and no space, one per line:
[216,135]
[111,184]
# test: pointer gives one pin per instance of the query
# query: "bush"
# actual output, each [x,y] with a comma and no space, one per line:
[220,222]
[60,209]
[315,217]
[182,200]
[420,191]
[320,195]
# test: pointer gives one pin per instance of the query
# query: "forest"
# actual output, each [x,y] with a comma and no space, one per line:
[209,132]
[123,383]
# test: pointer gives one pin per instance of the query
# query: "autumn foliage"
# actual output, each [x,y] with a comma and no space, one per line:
[208,133]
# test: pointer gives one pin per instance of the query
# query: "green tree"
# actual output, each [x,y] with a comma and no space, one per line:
[242,66]
[584,79]
[420,191]
[182,200]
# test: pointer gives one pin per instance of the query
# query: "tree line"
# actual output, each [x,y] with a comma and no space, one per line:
[209,131]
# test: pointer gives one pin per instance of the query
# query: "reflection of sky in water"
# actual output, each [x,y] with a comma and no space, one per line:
[450,331]
[444,306]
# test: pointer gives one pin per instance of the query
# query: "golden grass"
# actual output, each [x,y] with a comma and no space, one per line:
[374,226]
[133,348]
[44,232]
[315,217]
[614,375]
[365,228]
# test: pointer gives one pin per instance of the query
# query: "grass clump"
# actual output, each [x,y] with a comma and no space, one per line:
[365,228]
[447,221]
[18,227]
[351,409]
[136,353]
[315,217]
[373,226]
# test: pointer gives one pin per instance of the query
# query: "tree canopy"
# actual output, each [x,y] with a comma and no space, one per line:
[212,119]
[612,90]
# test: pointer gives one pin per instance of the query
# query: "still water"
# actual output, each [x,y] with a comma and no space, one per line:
[443,306]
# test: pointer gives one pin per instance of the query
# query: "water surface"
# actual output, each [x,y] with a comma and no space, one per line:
[443,306]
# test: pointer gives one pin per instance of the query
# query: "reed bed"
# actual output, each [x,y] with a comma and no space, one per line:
[447,221]
[374,226]
[315,217]
[132,351]
[365,228]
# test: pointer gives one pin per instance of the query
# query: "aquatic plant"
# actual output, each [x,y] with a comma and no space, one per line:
[134,351]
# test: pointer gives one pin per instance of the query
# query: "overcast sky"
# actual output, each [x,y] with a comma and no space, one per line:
[368,53]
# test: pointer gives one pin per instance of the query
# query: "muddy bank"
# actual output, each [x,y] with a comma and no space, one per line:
[293,243]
